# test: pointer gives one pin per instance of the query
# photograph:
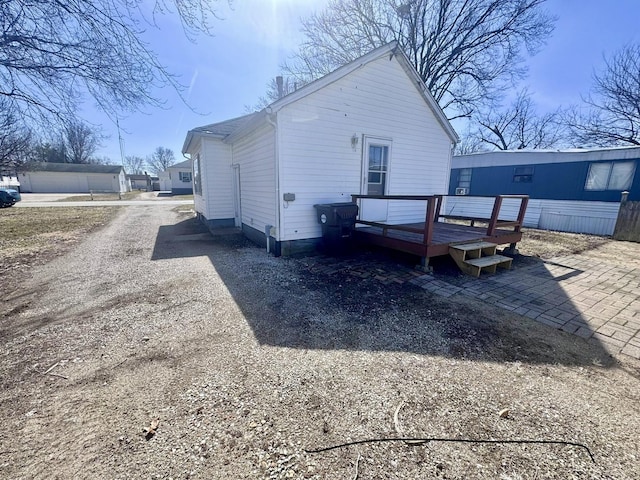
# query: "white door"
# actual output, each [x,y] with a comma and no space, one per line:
[236,196]
[375,178]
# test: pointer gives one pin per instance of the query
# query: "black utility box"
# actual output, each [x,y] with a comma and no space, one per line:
[338,221]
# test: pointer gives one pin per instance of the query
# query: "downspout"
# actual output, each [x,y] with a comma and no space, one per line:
[272,119]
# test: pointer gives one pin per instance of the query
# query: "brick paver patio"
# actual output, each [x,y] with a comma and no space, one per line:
[580,295]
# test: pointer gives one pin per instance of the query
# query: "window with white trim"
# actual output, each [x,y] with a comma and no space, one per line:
[610,176]
[185,176]
[464,178]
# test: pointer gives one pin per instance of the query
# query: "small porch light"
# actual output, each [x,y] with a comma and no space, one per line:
[354,141]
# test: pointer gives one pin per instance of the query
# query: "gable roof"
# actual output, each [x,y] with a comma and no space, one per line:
[71,168]
[186,165]
[392,50]
[236,127]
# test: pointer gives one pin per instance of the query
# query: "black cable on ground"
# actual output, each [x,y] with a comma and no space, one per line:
[421,441]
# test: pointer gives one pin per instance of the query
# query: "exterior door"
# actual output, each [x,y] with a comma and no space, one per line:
[375,178]
[236,196]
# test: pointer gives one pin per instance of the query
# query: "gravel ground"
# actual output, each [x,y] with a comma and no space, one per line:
[249,360]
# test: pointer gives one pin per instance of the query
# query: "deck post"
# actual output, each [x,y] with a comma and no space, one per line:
[428,222]
[523,208]
[438,208]
[424,265]
[497,204]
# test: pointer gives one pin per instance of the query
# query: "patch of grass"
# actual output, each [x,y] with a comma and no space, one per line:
[547,244]
[102,197]
[181,197]
[35,235]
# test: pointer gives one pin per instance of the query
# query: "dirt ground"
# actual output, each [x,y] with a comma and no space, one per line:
[249,361]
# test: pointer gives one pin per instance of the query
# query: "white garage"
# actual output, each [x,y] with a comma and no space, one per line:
[72,178]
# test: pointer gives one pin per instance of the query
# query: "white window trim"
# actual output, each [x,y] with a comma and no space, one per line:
[376,141]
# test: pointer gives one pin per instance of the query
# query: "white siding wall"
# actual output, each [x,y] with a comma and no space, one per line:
[597,218]
[217,185]
[319,165]
[255,153]
[69,182]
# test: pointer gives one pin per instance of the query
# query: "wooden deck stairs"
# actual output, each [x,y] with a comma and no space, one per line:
[473,258]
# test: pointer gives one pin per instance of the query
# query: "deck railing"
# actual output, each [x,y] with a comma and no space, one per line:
[433,214]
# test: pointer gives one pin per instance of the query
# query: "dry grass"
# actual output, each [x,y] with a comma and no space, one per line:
[35,235]
[102,197]
[547,244]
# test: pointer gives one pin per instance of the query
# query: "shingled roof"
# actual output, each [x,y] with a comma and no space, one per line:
[71,168]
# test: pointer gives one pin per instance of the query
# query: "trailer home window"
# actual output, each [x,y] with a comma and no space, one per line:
[610,176]
[523,175]
[464,178]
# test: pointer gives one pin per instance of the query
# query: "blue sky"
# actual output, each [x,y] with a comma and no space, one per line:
[230,70]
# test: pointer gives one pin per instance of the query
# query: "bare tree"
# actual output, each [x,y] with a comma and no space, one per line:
[134,165]
[612,113]
[276,91]
[54,52]
[161,159]
[81,142]
[466,51]
[15,139]
[519,126]
[50,151]
[469,143]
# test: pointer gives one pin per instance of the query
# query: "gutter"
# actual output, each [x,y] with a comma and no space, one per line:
[272,119]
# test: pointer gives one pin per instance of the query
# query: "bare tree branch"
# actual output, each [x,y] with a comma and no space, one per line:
[134,165]
[161,159]
[519,126]
[81,142]
[53,52]
[466,51]
[611,113]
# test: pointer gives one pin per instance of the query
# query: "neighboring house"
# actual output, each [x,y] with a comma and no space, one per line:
[140,182]
[9,181]
[72,178]
[370,127]
[577,190]
[178,178]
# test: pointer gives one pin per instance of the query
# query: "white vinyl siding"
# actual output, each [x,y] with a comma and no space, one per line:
[596,218]
[255,153]
[217,187]
[70,182]
[319,164]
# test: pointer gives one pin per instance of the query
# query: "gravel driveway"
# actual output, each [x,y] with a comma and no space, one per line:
[247,360]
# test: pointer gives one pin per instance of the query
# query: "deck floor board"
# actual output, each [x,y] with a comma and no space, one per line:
[444,234]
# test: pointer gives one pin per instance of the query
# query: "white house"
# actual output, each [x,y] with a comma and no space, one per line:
[72,178]
[178,178]
[370,127]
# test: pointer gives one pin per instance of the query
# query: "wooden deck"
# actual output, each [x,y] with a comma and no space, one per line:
[433,237]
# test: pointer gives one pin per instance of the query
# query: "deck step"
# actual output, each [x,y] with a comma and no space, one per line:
[473,246]
[474,258]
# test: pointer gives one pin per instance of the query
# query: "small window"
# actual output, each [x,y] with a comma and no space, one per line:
[523,175]
[610,176]
[185,176]
[464,178]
